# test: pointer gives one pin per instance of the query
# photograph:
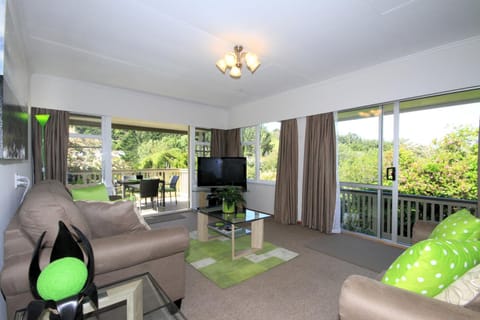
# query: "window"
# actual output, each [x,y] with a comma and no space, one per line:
[439,146]
[249,142]
[133,149]
[84,157]
[137,148]
[202,142]
[260,147]
[431,142]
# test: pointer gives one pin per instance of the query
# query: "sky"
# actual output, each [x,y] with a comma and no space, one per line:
[420,127]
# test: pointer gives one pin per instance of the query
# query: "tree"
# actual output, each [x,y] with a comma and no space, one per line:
[127,141]
[269,155]
[446,168]
[151,149]
[84,155]
[269,141]
[266,145]
[358,159]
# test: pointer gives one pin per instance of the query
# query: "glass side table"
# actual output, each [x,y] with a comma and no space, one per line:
[139,297]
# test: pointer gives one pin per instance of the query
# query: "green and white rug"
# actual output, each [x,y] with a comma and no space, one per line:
[214,259]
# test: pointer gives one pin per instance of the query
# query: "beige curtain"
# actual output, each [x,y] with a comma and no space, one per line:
[319,178]
[217,144]
[56,145]
[286,185]
[225,143]
[233,144]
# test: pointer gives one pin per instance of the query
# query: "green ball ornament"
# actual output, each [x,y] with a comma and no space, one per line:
[62,278]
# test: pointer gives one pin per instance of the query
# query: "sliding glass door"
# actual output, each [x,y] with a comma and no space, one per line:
[367,169]
[407,161]
[438,158]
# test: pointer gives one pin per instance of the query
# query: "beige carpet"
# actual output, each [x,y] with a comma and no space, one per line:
[365,253]
[305,288]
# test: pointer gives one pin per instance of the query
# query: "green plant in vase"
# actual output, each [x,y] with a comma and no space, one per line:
[231,197]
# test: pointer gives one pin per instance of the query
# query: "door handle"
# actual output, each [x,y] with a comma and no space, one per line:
[391,173]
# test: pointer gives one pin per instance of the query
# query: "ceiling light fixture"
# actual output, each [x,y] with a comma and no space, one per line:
[233,61]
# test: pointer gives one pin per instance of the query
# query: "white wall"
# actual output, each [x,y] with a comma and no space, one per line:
[260,203]
[261,196]
[16,74]
[451,67]
[89,98]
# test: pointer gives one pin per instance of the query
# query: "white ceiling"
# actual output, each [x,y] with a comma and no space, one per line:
[169,48]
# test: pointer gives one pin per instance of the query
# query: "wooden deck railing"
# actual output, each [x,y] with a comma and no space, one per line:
[359,212]
[85,178]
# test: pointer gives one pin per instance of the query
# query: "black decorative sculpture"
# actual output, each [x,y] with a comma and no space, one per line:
[64,283]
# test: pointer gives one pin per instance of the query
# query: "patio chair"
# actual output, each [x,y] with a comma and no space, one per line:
[130,188]
[172,187]
[148,189]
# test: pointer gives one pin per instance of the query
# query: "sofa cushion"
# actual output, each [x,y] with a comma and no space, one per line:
[96,192]
[111,218]
[474,304]
[129,249]
[461,225]
[43,207]
[464,289]
[52,186]
[431,265]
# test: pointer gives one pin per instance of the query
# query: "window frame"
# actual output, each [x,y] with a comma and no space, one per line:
[205,148]
[94,122]
[256,142]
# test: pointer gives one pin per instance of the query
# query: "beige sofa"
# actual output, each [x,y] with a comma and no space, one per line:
[363,298]
[122,243]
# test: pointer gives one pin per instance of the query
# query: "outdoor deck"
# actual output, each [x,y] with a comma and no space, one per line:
[358,208]
[170,206]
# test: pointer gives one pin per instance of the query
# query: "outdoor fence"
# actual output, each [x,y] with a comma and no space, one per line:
[360,213]
[359,209]
[85,178]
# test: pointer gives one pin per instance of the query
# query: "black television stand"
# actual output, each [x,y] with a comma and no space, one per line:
[213,199]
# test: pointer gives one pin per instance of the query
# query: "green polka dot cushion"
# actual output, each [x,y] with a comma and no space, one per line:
[461,225]
[62,278]
[431,265]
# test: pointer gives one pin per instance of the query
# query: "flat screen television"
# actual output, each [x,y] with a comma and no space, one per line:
[222,171]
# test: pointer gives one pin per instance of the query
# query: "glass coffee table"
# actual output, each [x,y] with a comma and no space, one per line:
[136,298]
[232,225]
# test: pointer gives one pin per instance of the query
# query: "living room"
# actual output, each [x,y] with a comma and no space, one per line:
[436,67]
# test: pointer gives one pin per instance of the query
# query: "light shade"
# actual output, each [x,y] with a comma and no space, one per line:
[42,119]
[222,65]
[251,58]
[235,72]
[253,66]
[252,61]
[234,61]
[230,59]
